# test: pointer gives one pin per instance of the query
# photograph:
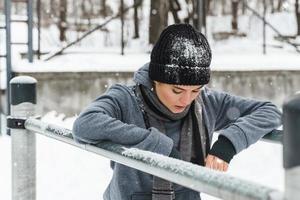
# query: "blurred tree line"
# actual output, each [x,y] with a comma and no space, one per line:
[82,15]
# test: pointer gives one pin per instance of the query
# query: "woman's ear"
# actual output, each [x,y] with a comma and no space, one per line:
[154,84]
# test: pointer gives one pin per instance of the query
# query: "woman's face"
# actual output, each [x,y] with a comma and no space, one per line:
[176,97]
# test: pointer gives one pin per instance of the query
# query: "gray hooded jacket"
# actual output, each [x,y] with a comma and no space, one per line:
[116,116]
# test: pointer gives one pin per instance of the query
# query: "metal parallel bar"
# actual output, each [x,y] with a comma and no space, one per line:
[19,21]
[2,56]
[198,178]
[19,43]
[2,27]
[19,1]
[8,53]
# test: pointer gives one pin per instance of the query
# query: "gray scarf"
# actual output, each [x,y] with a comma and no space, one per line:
[156,114]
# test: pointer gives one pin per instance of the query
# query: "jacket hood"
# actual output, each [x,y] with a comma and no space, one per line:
[142,76]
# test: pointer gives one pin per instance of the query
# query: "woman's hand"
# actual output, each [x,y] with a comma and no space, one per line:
[216,163]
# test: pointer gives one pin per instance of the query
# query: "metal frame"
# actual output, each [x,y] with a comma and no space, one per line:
[195,177]
[9,43]
[8,52]
[189,175]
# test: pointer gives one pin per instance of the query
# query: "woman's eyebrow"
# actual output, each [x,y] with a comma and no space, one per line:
[177,87]
[199,87]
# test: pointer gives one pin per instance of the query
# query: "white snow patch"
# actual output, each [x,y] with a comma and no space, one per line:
[23,80]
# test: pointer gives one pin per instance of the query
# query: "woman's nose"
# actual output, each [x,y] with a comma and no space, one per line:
[186,99]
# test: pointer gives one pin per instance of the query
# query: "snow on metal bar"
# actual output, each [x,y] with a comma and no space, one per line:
[198,178]
[203,179]
[37,125]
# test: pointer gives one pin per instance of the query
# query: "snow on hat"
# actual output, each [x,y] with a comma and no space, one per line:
[181,56]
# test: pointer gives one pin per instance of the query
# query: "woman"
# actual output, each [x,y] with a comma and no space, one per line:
[170,111]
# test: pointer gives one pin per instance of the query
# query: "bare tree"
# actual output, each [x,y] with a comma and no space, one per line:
[223,7]
[191,10]
[244,7]
[103,10]
[297,11]
[279,5]
[272,6]
[53,8]
[174,8]
[158,18]
[208,7]
[137,4]
[62,24]
[234,21]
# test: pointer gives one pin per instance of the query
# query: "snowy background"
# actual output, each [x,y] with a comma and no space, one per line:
[67,173]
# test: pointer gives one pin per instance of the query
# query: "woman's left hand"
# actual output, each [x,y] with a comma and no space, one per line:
[216,163]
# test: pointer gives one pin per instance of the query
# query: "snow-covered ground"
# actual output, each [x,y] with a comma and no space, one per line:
[101,51]
[68,173]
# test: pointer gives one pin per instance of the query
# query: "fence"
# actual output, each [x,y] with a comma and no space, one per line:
[24,125]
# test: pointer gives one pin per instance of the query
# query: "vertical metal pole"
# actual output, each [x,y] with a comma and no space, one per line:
[8,53]
[23,104]
[30,27]
[38,11]
[291,147]
[264,27]
[122,26]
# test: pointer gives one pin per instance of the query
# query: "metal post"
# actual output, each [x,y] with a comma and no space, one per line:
[122,26]
[8,53]
[38,11]
[30,27]
[23,103]
[291,147]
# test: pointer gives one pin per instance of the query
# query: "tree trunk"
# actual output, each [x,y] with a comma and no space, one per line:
[174,8]
[137,4]
[223,7]
[279,5]
[194,17]
[208,8]
[234,22]
[205,9]
[195,14]
[54,9]
[62,24]
[297,10]
[272,6]
[158,18]
[103,10]
[190,11]
[243,7]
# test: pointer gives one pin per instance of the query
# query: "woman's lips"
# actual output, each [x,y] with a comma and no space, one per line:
[180,107]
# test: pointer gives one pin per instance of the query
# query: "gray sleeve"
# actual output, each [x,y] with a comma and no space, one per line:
[244,121]
[102,121]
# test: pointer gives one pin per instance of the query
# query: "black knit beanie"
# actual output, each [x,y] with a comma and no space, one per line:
[181,56]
